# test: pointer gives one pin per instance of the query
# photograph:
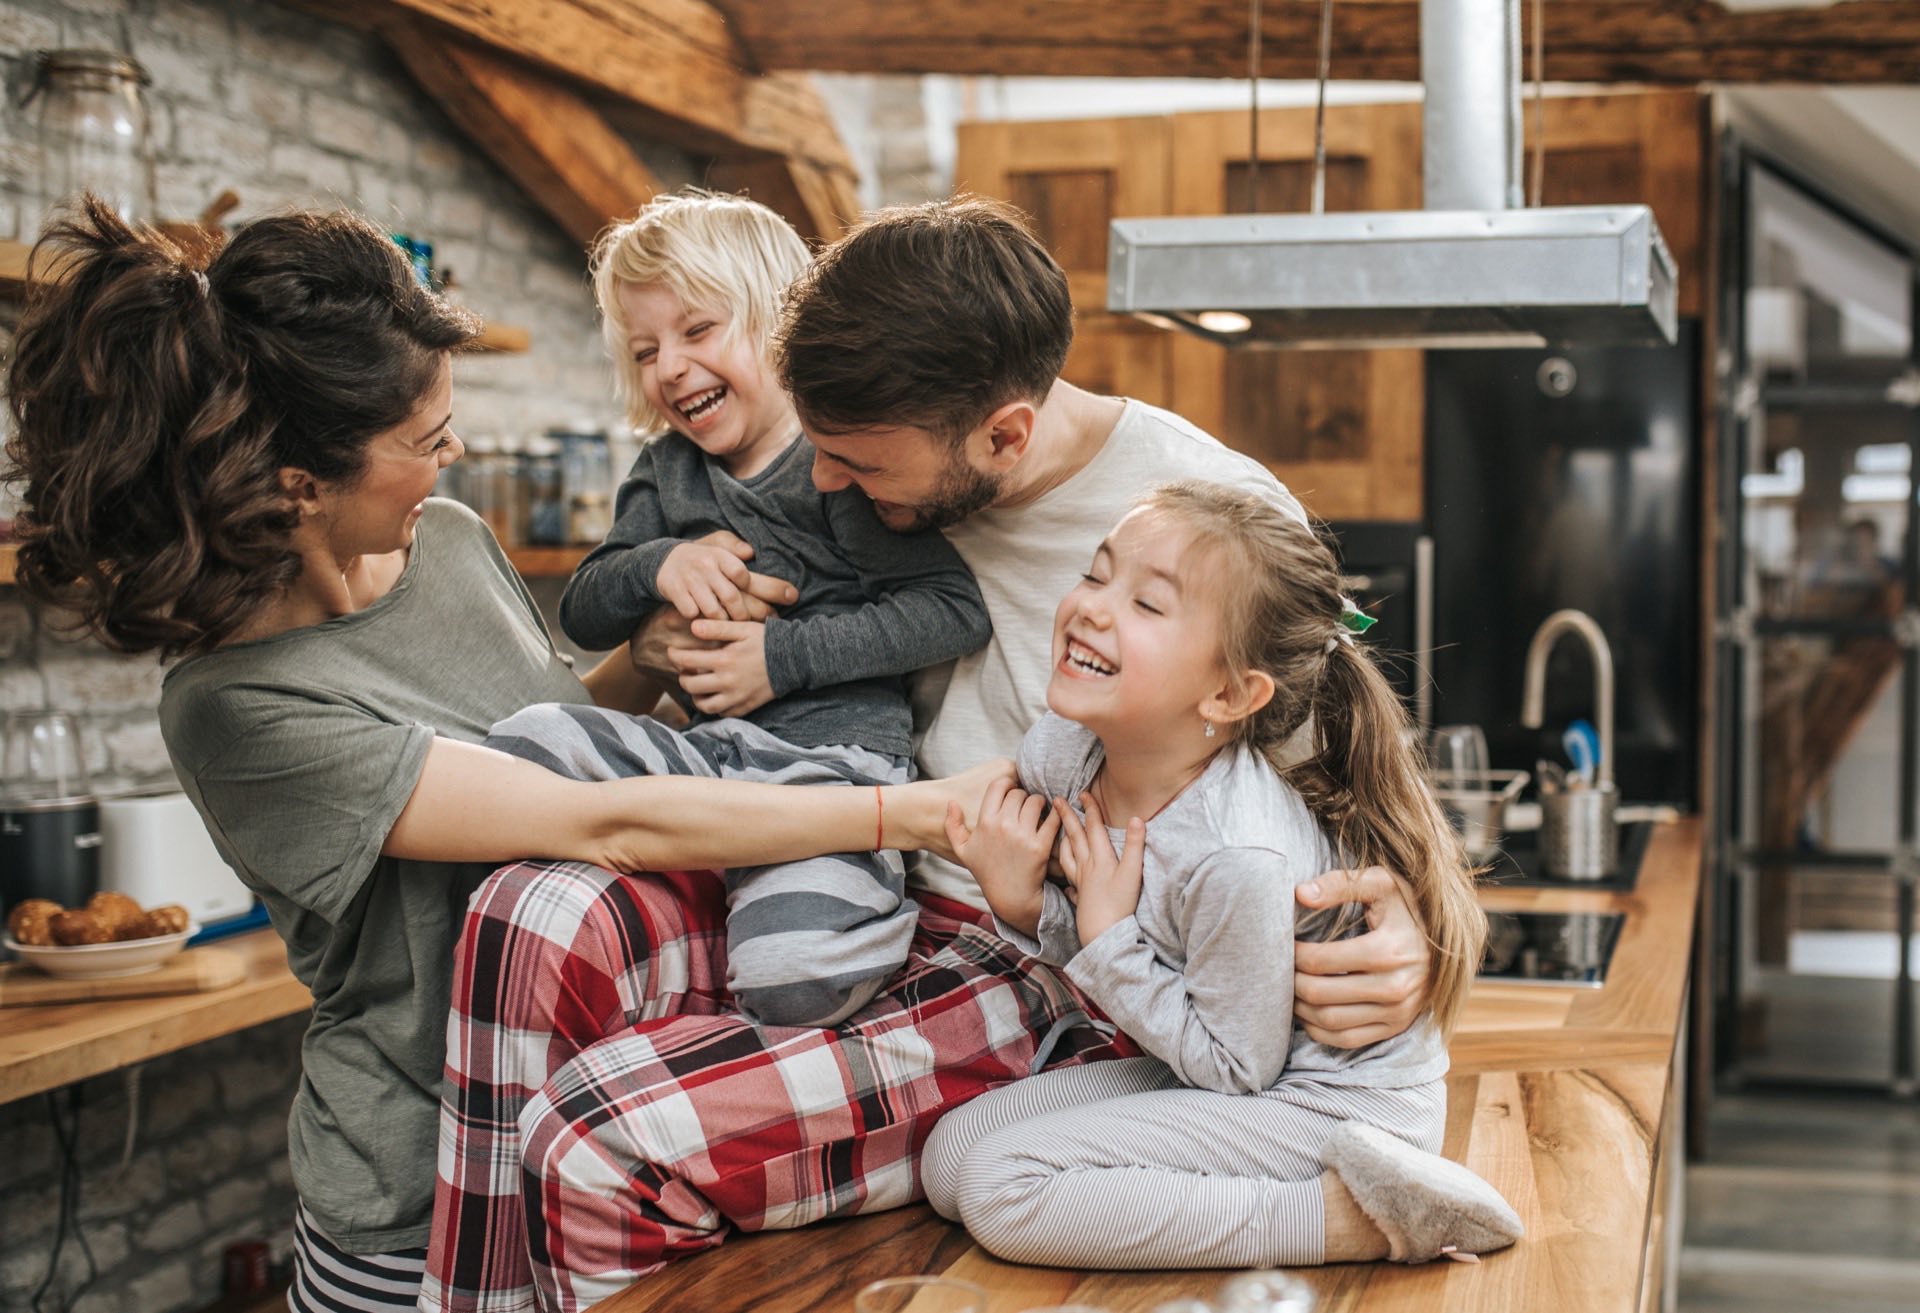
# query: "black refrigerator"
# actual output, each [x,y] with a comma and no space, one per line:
[1569,478]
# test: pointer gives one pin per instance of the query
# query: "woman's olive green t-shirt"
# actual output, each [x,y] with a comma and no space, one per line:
[300,751]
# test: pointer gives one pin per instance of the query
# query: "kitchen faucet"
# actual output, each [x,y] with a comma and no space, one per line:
[1533,699]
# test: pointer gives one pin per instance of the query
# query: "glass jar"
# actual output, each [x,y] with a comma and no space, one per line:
[93,129]
[547,516]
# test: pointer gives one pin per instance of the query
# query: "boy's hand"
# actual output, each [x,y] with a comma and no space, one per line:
[707,579]
[728,676]
[1007,850]
[1106,885]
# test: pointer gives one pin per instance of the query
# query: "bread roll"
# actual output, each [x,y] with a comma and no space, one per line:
[30,922]
[168,920]
[82,927]
[120,914]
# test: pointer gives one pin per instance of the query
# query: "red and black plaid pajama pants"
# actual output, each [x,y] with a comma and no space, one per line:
[605,1112]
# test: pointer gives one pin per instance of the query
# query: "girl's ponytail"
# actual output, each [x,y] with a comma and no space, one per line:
[155,402]
[1283,616]
[1365,782]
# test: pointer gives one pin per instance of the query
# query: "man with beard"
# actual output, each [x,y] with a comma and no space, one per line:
[923,353]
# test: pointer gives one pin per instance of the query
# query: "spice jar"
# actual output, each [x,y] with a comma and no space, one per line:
[93,129]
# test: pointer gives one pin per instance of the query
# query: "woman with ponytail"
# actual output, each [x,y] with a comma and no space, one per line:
[231,463]
[1209,629]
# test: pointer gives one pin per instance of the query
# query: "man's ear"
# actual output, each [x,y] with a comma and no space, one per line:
[1238,699]
[1007,433]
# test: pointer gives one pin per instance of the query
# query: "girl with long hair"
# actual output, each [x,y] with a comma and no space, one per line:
[1208,630]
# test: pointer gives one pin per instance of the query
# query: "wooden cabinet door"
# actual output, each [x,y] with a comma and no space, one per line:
[1341,428]
[1634,148]
[1073,177]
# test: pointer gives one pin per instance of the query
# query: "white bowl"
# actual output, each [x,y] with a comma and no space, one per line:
[130,957]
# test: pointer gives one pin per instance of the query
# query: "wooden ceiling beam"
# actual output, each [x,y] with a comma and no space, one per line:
[674,62]
[1657,41]
[819,203]
[549,140]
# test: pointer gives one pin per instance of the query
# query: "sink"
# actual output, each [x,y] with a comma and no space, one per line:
[1551,948]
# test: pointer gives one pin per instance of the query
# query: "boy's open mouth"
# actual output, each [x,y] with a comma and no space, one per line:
[701,404]
[1085,659]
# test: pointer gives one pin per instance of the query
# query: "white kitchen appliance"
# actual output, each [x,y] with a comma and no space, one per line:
[154,849]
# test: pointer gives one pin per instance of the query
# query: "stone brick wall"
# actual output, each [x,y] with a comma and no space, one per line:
[208,1168]
[290,110]
[286,109]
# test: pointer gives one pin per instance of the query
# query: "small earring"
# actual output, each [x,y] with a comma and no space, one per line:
[1209,729]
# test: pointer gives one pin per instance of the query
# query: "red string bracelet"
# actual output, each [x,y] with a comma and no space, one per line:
[879,819]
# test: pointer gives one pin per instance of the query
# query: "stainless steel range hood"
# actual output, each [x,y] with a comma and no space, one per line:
[1471,270]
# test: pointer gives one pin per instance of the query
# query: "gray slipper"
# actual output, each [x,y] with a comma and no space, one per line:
[1424,1204]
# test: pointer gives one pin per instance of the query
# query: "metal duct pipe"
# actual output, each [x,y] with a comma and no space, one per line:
[1470,63]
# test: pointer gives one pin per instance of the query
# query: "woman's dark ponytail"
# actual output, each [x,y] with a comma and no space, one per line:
[156,401]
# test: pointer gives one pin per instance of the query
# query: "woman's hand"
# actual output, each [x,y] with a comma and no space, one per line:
[1106,885]
[919,818]
[1007,850]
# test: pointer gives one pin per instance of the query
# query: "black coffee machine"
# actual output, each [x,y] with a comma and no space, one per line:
[49,818]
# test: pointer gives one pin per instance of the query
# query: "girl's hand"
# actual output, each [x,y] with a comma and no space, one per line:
[1007,850]
[729,679]
[1106,886]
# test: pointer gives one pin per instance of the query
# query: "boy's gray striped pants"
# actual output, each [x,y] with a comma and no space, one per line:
[808,942]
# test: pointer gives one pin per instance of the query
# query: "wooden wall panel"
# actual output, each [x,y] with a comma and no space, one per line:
[1636,148]
[1344,429]
[1341,428]
[1072,178]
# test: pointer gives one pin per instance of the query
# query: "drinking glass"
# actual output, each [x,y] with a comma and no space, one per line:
[44,758]
[1266,1292]
[921,1295]
[1457,756]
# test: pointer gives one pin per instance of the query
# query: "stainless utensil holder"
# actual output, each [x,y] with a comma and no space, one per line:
[1579,839]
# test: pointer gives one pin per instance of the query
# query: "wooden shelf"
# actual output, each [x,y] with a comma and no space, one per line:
[505,339]
[531,562]
[546,562]
[13,266]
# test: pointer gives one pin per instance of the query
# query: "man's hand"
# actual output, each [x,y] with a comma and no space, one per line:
[725,673]
[1007,850]
[1105,884]
[1355,992]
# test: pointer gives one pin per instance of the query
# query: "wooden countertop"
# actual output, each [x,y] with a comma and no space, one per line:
[1558,1096]
[43,1048]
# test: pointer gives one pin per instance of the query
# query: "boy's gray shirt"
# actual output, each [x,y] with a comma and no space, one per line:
[874,605]
[1201,976]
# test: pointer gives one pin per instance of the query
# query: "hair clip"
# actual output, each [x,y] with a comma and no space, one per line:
[1353,619]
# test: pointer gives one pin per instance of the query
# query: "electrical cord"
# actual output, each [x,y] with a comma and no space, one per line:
[66,1134]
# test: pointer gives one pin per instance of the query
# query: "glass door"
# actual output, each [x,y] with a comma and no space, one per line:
[1818,704]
